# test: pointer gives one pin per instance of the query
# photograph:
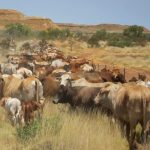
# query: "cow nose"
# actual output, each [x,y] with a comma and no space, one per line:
[55,100]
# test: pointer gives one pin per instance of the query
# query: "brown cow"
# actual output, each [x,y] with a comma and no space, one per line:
[50,86]
[106,75]
[29,108]
[76,96]
[76,63]
[129,103]
[93,77]
[112,76]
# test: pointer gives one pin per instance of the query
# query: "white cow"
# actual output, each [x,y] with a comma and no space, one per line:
[64,79]
[58,63]
[14,109]
[147,83]
[87,68]
[8,68]
[19,76]
[24,72]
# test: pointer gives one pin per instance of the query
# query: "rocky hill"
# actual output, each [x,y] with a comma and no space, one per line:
[8,16]
[90,29]
[13,16]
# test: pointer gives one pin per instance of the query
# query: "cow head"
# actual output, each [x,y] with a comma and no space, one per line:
[107,95]
[65,79]
[102,93]
[141,77]
[105,89]
[61,95]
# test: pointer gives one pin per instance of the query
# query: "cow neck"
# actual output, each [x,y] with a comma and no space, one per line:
[112,97]
[71,93]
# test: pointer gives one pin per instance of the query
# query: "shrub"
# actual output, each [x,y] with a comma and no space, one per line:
[7,43]
[95,38]
[120,43]
[18,30]
[133,32]
[93,42]
[29,131]
[54,34]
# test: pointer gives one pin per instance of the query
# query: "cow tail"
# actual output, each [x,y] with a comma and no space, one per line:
[37,95]
[36,90]
[144,118]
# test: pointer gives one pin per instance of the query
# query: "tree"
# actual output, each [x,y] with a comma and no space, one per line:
[18,30]
[101,35]
[95,38]
[133,32]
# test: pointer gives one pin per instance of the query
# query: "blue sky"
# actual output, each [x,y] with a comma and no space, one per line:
[85,11]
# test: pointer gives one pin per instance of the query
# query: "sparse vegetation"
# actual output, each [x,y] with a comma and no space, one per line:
[29,131]
[62,129]
[7,43]
[55,34]
[131,36]
[18,30]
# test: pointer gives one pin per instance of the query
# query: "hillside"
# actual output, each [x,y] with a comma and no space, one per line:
[90,29]
[13,16]
[8,16]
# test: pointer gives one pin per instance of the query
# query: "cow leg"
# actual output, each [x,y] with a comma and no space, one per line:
[128,131]
[132,137]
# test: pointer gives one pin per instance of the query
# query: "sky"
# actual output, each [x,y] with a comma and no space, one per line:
[128,12]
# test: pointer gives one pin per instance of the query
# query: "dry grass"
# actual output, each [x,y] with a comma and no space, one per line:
[65,130]
[131,57]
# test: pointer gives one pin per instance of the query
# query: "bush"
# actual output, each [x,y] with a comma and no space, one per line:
[54,34]
[120,43]
[18,30]
[133,32]
[93,41]
[29,131]
[7,43]
[95,38]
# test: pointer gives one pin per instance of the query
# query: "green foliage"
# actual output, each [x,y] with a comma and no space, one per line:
[147,37]
[133,32]
[101,35]
[29,131]
[118,40]
[7,43]
[18,30]
[120,43]
[95,38]
[54,34]
[93,41]
[43,35]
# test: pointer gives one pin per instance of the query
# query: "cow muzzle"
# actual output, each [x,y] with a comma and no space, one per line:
[55,100]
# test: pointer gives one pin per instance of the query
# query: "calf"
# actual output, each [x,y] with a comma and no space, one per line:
[13,107]
[29,107]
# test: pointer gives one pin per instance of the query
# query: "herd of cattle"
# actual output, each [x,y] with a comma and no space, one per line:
[27,79]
